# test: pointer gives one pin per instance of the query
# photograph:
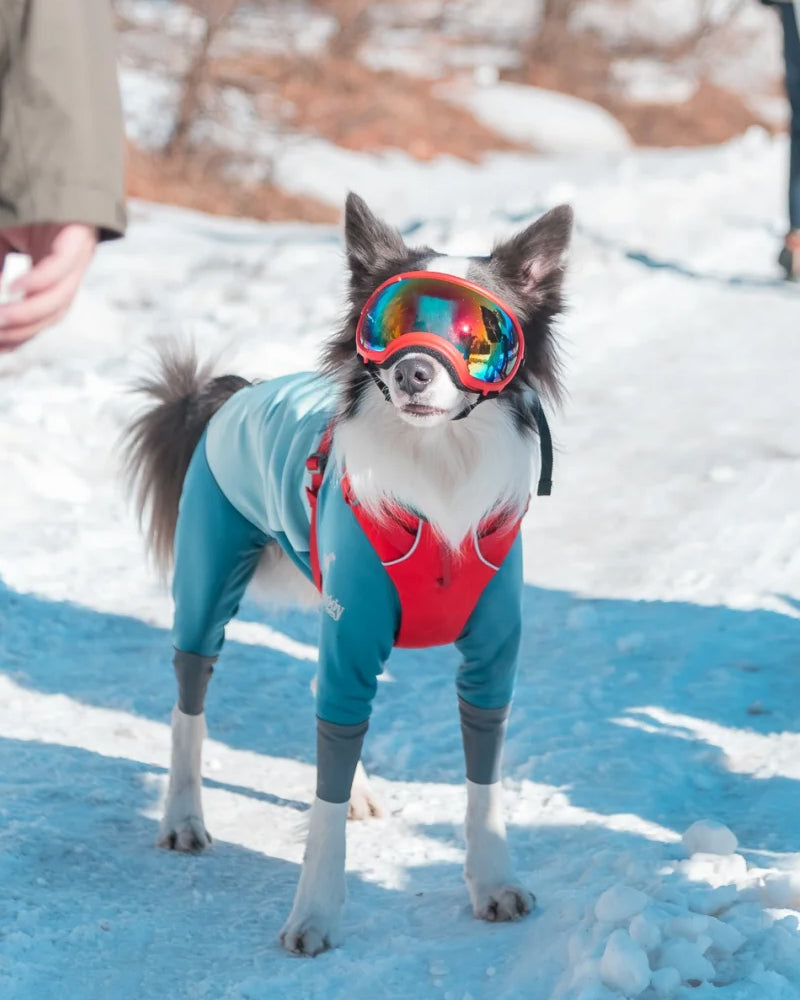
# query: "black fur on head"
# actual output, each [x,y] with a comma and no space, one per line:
[526,271]
[375,251]
[529,273]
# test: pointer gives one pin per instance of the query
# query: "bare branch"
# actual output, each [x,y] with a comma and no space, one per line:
[215,14]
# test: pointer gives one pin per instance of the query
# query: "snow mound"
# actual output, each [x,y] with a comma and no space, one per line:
[707,836]
[697,921]
[550,122]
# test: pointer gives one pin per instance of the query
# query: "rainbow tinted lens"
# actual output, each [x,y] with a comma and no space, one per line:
[481,330]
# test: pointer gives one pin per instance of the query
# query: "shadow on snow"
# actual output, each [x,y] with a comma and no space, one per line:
[629,706]
[89,904]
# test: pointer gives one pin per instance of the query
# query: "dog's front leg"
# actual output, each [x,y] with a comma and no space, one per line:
[495,893]
[314,925]
[363,804]
[182,827]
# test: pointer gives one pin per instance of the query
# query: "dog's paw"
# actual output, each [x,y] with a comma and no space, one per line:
[503,903]
[363,803]
[189,835]
[308,937]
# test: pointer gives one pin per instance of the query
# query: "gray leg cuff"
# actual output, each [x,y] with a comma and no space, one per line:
[483,731]
[193,673]
[338,751]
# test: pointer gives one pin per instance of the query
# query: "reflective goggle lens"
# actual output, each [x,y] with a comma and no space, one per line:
[481,330]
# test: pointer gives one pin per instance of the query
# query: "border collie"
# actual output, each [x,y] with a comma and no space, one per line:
[395,480]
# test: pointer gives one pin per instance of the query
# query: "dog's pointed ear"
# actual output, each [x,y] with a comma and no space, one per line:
[371,244]
[533,260]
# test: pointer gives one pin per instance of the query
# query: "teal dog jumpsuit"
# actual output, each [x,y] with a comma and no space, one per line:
[247,487]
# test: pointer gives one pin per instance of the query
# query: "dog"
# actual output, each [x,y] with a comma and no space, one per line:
[395,478]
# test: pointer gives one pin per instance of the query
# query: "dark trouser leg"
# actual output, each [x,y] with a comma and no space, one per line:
[791,50]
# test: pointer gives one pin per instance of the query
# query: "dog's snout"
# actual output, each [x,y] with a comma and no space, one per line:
[412,375]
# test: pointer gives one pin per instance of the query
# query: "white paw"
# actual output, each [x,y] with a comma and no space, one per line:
[309,936]
[188,835]
[313,925]
[182,828]
[363,804]
[503,903]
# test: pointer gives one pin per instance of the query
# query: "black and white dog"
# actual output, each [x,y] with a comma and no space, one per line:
[396,480]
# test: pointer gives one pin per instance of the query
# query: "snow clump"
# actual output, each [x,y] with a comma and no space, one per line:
[782,890]
[707,836]
[624,966]
[619,903]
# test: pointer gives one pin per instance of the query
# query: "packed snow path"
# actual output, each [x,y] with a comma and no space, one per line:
[659,684]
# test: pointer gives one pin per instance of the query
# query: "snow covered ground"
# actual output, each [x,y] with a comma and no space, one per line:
[659,683]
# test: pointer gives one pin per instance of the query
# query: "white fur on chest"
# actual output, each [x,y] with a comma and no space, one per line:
[452,474]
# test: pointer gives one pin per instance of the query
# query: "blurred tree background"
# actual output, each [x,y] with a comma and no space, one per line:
[214,89]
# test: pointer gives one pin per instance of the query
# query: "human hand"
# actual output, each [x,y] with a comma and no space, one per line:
[60,254]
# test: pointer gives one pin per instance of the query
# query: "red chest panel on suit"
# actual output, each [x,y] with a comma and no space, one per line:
[438,587]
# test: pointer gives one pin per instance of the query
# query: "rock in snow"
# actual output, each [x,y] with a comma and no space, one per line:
[707,836]
[624,966]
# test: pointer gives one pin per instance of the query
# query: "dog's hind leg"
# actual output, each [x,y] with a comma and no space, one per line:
[363,802]
[216,553]
[182,827]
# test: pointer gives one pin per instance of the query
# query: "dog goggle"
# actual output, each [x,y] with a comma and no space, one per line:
[467,327]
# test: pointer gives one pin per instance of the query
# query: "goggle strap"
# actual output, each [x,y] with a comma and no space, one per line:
[373,371]
[546,450]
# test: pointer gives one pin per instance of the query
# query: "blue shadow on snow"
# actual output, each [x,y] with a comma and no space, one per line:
[590,671]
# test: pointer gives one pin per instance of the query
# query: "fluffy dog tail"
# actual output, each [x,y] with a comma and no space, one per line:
[160,442]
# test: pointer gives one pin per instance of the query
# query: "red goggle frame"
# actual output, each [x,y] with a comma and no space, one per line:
[470,329]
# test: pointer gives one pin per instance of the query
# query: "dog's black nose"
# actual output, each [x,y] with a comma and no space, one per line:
[412,375]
